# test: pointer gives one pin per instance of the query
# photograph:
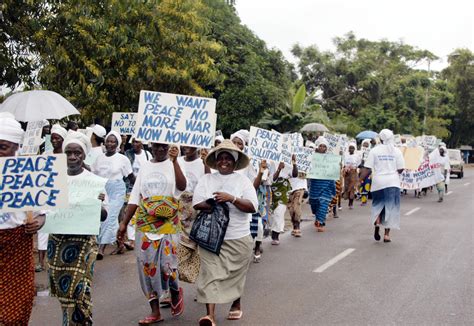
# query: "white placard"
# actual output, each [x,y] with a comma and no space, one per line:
[124,122]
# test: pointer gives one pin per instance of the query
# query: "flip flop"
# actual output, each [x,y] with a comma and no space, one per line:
[100,256]
[206,321]
[235,315]
[179,308]
[150,320]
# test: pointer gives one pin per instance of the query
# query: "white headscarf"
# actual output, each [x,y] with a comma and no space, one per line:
[10,129]
[242,134]
[99,131]
[353,144]
[116,135]
[57,129]
[321,141]
[366,141]
[75,137]
[220,138]
[386,135]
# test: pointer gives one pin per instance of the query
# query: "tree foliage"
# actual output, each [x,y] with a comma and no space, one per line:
[375,84]
[459,76]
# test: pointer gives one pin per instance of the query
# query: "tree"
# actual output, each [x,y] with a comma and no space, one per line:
[101,54]
[375,84]
[459,76]
[255,78]
[298,110]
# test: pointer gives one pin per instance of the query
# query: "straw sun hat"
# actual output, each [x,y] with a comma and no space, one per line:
[227,146]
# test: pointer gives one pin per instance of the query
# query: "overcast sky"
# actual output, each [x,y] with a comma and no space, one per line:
[437,26]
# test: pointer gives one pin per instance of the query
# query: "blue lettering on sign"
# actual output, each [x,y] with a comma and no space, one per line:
[194,103]
[177,137]
[201,140]
[200,126]
[160,122]
[149,134]
[20,199]
[28,164]
[152,97]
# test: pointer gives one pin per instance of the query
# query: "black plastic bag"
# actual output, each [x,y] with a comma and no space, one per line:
[209,229]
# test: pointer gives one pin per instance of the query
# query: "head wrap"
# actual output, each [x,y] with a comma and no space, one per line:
[58,130]
[10,129]
[116,135]
[99,131]
[75,137]
[242,134]
[353,144]
[366,141]
[220,138]
[386,135]
[321,141]
[45,123]
[234,154]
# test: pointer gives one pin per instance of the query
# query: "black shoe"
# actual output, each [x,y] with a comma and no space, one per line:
[376,233]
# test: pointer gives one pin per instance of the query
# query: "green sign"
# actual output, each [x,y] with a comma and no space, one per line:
[325,167]
[83,215]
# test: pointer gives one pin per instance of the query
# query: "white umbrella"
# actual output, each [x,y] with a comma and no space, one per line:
[38,105]
[314,127]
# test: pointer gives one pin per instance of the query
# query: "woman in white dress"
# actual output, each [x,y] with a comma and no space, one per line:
[114,167]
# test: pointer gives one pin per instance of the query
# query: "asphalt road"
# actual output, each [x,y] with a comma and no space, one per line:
[423,277]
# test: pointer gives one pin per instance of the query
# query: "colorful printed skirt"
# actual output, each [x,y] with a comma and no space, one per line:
[365,188]
[157,263]
[17,275]
[71,261]
[386,204]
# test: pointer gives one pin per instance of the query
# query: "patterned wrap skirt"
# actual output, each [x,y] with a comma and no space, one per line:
[157,263]
[108,229]
[71,261]
[17,275]
[386,203]
[351,179]
[365,188]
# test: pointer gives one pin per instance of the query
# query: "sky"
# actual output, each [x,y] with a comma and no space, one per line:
[437,26]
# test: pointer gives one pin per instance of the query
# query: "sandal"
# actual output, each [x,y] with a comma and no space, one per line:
[39,268]
[256,258]
[119,251]
[298,233]
[100,256]
[178,309]
[150,320]
[275,242]
[206,321]
[376,233]
[235,315]
[129,246]
[386,239]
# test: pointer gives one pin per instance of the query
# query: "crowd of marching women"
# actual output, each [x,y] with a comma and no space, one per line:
[191,215]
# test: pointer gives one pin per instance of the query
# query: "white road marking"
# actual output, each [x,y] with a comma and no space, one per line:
[449,193]
[334,260]
[412,211]
[467,183]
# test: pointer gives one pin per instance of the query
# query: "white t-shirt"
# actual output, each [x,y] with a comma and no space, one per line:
[249,172]
[13,220]
[194,171]
[351,161]
[439,164]
[298,183]
[93,154]
[115,167]
[141,158]
[384,164]
[155,179]
[236,185]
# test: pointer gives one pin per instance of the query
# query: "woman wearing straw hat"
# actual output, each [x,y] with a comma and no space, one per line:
[222,277]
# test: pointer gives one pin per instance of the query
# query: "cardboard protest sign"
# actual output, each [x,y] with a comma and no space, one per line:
[83,214]
[304,157]
[413,157]
[422,177]
[286,149]
[325,167]
[333,140]
[265,145]
[33,183]
[397,139]
[124,122]
[176,119]
[32,139]
[427,141]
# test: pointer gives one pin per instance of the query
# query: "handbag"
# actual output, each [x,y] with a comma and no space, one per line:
[209,228]
[188,263]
